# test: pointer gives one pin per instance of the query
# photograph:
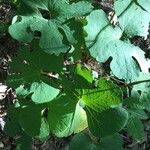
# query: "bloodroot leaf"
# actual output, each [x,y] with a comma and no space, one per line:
[30,74]
[47,17]
[133,16]
[104,42]
[100,105]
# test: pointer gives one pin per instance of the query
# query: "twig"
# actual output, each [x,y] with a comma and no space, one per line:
[129,84]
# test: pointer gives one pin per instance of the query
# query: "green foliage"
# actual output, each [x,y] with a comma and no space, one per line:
[105,42]
[136,112]
[102,103]
[134,16]
[59,97]
[83,140]
[72,116]
[50,18]
[28,74]
[24,142]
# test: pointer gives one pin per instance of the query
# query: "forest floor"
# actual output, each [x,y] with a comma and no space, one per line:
[8,47]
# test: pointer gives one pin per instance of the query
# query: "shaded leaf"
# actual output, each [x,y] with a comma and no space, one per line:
[28,74]
[66,116]
[83,140]
[100,104]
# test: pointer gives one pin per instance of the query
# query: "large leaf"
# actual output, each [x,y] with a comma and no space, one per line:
[102,103]
[83,140]
[28,74]
[52,27]
[66,116]
[134,16]
[106,95]
[102,124]
[103,41]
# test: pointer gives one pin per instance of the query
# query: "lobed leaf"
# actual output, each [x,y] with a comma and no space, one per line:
[48,18]
[27,74]
[102,103]
[133,16]
[104,43]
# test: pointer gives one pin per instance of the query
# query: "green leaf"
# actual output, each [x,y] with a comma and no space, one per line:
[84,72]
[24,142]
[99,122]
[145,4]
[83,140]
[102,103]
[42,92]
[105,96]
[133,102]
[144,88]
[136,113]
[135,128]
[12,126]
[29,74]
[134,16]
[32,19]
[77,26]
[44,130]
[66,116]
[103,41]
[30,119]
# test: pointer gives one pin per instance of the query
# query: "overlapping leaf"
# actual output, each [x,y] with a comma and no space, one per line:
[103,41]
[28,118]
[52,27]
[66,116]
[102,103]
[134,16]
[83,140]
[29,74]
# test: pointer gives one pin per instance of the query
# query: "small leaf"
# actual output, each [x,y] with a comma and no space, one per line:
[135,128]
[84,72]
